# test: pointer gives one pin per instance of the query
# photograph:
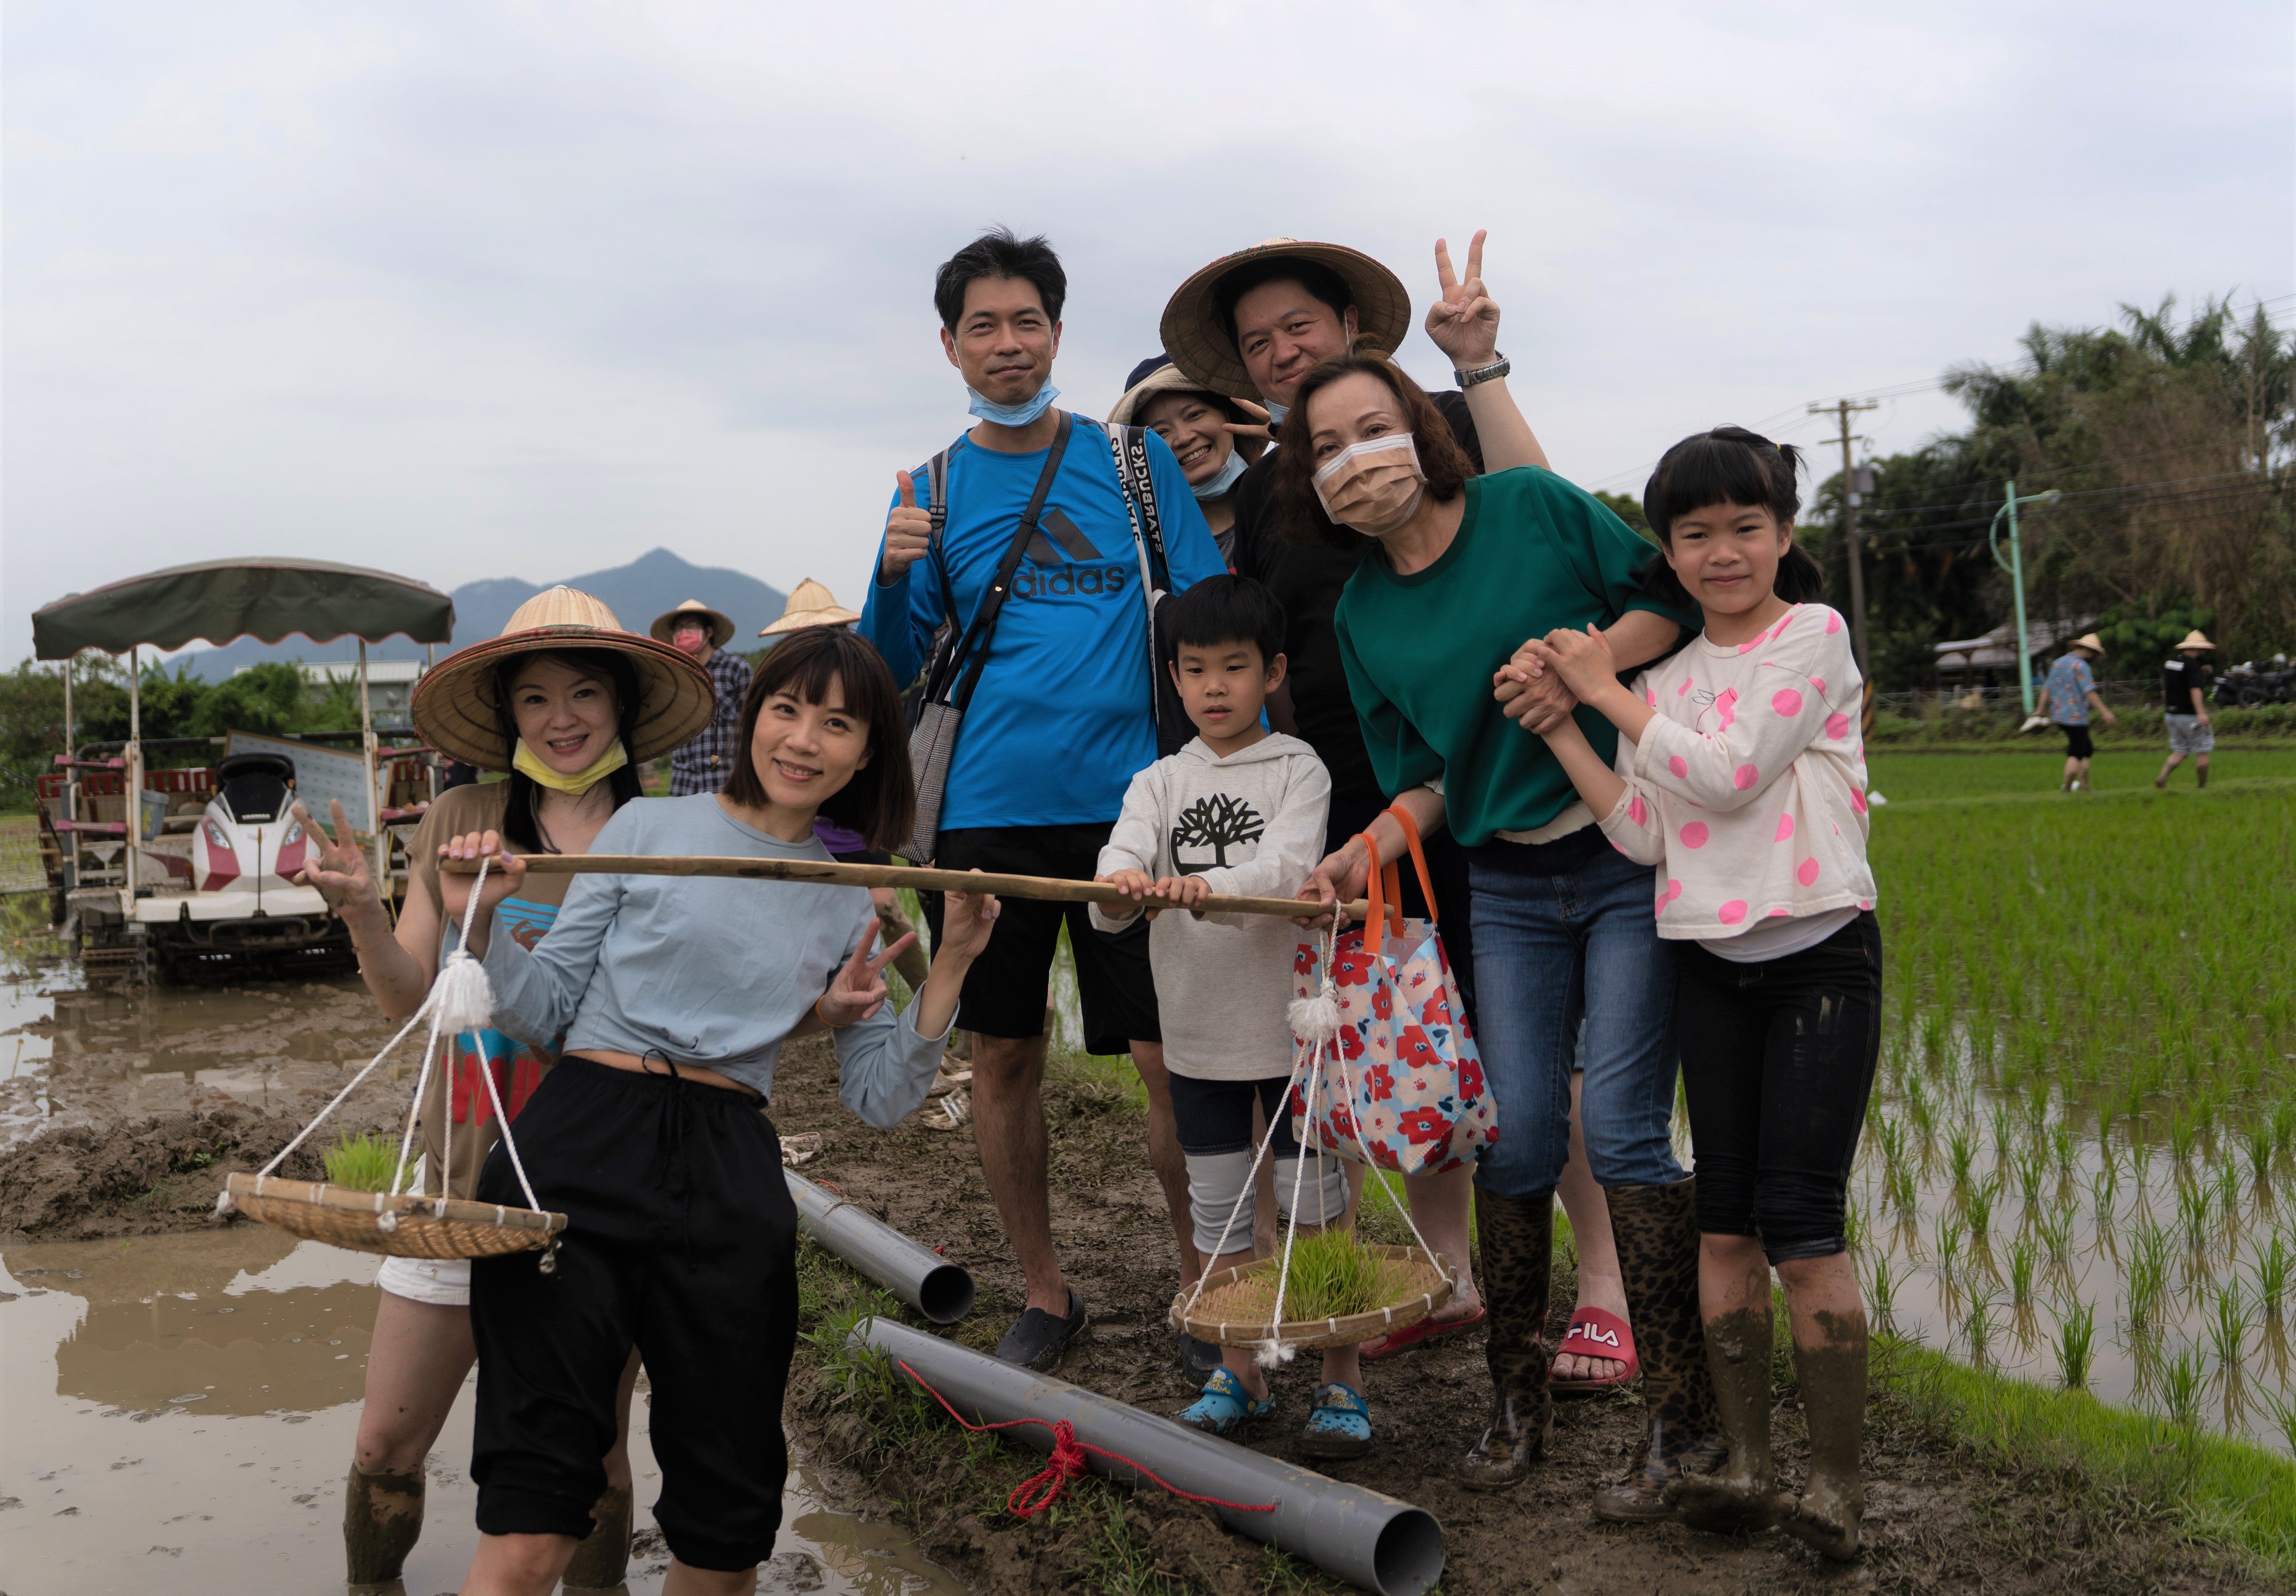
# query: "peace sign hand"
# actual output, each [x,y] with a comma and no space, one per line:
[859,989]
[908,532]
[1464,322]
[335,864]
[1259,427]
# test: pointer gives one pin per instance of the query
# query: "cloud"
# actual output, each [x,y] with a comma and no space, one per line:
[483,290]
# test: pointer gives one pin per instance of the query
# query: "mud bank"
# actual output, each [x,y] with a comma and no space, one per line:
[157,1174]
[1936,1520]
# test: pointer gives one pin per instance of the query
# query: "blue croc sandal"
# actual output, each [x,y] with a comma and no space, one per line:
[1226,1406]
[1340,1425]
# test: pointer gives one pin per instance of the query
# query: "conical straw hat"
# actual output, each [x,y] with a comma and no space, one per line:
[811,605]
[2196,638]
[1196,335]
[456,709]
[2090,641]
[721,624]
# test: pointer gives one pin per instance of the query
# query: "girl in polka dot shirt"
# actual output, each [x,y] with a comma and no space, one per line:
[1741,775]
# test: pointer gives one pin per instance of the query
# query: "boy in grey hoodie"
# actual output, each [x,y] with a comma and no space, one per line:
[1239,811]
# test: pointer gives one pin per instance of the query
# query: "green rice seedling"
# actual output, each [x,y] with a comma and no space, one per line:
[1853,1227]
[2184,1136]
[2228,1324]
[1331,1276]
[1961,1149]
[1948,1248]
[2283,1416]
[362,1163]
[2032,1169]
[2056,1234]
[2192,1216]
[2105,1116]
[2103,1187]
[1933,1036]
[1976,1330]
[1901,1191]
[2077,1345]
[2182,1382]
[2260,1156]
[2271,1268]
[2148,1275]
[1882,1291]
[1890,1135]
[2022,1262]
[1977,1206]
[2064,1146]
[2283,1124]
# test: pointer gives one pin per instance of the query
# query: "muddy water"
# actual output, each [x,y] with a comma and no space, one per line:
[180,1411]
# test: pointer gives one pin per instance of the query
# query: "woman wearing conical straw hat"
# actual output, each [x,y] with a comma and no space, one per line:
[675,996]
[812,604]
[2184,695]
[568,704]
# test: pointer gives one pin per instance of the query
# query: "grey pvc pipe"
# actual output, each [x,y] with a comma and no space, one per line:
[940,1290]
[1361,1536]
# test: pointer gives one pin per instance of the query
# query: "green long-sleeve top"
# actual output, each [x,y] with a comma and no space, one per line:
[1533,553]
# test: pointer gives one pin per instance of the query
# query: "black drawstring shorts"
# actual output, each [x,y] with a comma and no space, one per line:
[681,1240]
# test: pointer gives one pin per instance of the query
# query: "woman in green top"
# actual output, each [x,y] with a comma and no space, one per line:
[1467,568]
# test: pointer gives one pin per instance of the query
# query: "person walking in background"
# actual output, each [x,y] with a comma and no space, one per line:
[1249,326]
[812,604]
[2067,697]
[1038,519]
[1208,433]
[2184,696]
[701,633]
[1739,772]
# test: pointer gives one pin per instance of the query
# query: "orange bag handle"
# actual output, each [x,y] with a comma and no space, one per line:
[1418,856]
[1382,905]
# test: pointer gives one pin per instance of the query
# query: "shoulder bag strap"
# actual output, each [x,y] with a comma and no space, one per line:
[977,636]
[1383,889]
[1131,445]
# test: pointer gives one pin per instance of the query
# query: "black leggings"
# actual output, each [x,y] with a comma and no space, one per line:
[1777,1060]
[680,1239]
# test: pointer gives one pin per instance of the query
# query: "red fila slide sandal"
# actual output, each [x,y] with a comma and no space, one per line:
[1597,1333]
[1419,1333]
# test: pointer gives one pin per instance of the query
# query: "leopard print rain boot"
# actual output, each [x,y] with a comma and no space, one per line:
[1517,1238]
[1743,1496]
[1657,1232]
[602,1559]
[382,1518]
[1832,1378]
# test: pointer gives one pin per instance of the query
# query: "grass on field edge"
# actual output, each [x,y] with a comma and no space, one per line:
[2225,1494]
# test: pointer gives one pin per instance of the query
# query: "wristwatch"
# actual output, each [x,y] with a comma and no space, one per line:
[1482,373]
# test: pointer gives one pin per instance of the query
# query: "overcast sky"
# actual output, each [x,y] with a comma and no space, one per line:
[471,289]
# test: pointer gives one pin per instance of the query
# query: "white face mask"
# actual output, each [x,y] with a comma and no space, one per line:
[1374,486]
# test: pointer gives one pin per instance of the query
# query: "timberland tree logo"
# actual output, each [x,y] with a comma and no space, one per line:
[1218,822]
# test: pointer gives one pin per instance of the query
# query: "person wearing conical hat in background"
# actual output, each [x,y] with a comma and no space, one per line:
[1203,428]
[2184,696]
[1250,325]
[812,604]
[569,705]
[702,763]
[2067,697]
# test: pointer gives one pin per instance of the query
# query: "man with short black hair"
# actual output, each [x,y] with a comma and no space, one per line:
[1061,717]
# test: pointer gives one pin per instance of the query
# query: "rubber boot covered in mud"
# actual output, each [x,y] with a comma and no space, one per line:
[382,1518]
[602,1559]
[1832,1378]
[1517,1238]
[1743,1496]
[1656,1228]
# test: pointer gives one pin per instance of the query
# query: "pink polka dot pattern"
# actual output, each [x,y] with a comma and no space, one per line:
[1837,726]
[1779,630]
[1694,835]
[1673,891]
[1865,903]
[1786,702]
[1857,800]
[1650,696]
[1678,765]
[1785,828]
[1819,682]
[1731,913]
[1807,872]
[1780,911]
[1745,778]
[1832,622]
[1727,707]
[1638,811]
[1683,687]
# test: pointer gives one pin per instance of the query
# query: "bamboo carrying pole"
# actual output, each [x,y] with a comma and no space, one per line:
[879,875]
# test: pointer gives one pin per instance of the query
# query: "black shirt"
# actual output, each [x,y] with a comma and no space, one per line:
[1308,582]
[2179,677]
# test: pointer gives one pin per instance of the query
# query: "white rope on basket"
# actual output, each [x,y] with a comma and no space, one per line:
[460,999]
[1316,1023]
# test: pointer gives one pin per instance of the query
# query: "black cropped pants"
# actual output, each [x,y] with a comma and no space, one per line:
[1777,1060]
[681,1240]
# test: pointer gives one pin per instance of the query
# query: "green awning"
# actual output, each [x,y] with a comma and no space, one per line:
[227,599]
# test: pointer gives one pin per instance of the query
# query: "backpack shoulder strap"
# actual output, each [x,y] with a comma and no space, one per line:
[937,486]
[1129,445]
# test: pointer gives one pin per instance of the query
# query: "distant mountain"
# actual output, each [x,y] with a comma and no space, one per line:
[636,593]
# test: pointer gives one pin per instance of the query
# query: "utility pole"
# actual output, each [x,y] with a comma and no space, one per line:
[1841,410]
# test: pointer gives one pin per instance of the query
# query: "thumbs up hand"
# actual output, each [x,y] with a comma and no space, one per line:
[908,533]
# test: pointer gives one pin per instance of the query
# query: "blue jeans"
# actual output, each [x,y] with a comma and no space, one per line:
[1565,932]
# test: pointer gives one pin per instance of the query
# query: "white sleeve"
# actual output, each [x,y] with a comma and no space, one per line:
[1133,843]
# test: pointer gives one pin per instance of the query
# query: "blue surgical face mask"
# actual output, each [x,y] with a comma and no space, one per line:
[1277,413]
[1012,415]
[1221,480]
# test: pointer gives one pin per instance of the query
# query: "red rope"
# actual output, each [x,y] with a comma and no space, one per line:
[1040,1490]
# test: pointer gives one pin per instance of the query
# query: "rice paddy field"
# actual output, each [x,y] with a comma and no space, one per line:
[2079,1164]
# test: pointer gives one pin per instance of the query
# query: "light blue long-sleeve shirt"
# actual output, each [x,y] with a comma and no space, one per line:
[710,970]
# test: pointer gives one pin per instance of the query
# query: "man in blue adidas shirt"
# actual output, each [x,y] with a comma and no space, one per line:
[1061,719]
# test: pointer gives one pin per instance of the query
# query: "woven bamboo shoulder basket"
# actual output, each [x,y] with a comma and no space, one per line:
[405,1226]
[1233,1309]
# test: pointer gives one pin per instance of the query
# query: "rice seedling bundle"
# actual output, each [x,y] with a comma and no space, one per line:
[1331,1277]
[2228,1325]
[362,1163]
[2076,1345]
